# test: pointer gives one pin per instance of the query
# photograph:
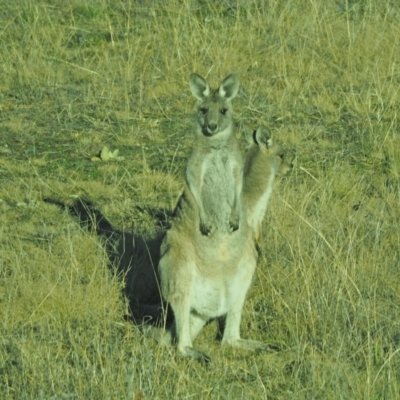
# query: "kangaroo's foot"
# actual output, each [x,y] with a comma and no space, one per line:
[195,354]
[161,335]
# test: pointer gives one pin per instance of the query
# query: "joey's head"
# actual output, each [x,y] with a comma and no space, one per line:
[264,151]
[214,110]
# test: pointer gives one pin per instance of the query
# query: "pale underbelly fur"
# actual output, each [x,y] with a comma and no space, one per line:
[214,297]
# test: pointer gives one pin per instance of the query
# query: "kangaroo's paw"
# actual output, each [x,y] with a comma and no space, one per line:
[234,223]
[206,228]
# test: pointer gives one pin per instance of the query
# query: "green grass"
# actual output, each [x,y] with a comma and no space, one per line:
[78,75]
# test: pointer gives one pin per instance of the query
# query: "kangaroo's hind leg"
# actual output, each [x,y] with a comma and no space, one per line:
[176,269]
[231,335]
[187,325]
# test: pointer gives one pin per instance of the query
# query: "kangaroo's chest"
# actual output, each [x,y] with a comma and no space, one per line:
[218,166]
[218,177]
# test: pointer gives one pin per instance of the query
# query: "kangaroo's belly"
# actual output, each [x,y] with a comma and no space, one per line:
[216,290]
[209,298]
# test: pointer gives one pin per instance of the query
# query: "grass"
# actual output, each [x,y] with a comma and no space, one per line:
[323,75]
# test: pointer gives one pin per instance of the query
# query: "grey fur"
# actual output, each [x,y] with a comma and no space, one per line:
[214,170]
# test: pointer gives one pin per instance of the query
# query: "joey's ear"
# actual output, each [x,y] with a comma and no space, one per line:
[199,86]
[229,87]
[263,136]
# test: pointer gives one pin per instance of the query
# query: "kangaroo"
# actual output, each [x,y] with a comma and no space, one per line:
[204,279]
[214,169]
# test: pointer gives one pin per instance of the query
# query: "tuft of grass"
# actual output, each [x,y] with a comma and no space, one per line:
[79,75]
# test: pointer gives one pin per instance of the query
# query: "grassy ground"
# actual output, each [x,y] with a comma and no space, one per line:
[79,75]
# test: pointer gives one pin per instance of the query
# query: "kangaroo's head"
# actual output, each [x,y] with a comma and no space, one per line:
[214,111]
[264,161]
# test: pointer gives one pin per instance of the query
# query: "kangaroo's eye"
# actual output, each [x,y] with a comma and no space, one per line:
[204,110]
[223,111]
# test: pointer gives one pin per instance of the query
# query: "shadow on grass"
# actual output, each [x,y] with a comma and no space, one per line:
[134,258]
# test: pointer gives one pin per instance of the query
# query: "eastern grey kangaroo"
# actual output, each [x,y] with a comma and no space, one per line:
[214,170]
[203,278]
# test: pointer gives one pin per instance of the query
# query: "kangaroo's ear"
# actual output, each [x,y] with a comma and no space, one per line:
[263,136]
[199,86]
[249,135]
[229,87]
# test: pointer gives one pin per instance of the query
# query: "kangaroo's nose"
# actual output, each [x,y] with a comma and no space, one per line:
[212,127]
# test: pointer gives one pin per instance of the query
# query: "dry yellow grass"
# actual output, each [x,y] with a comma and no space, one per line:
[78,75]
